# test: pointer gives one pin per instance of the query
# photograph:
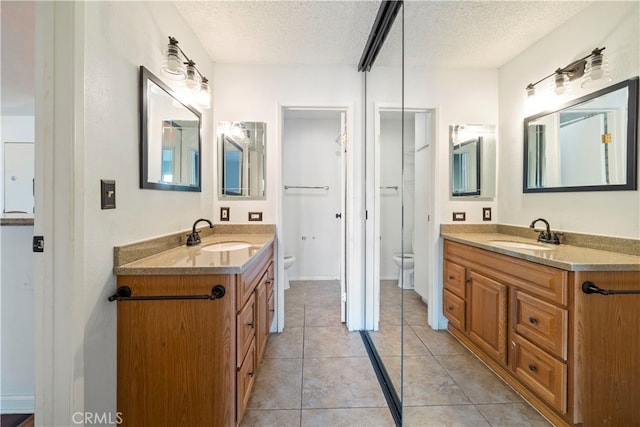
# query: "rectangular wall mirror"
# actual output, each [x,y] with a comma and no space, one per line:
[170,144]
[472,161]
[588,144]
[241,160]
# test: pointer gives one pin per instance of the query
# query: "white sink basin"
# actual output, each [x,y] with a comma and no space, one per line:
[226,246]
[521,245]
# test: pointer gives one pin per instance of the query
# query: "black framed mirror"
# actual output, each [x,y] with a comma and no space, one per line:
[589,144]
[170,141]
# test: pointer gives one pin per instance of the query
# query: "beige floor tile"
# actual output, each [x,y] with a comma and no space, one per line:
[334,341]
[286,345]
[426,382]
[478,381]
[443,416]
[322,299]
[347,382]
[388,342]
[322,316]
[439,343]
[390,316]
[271,418]
[293,314]
[512,414]
[347,417]
[277,385]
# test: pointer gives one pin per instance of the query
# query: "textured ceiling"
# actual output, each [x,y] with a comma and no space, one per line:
[461,34]
[478,34]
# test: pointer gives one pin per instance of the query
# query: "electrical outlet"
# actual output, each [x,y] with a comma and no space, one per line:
[224,214]
[255,216]
[459,216]
[486,214]
[108,193]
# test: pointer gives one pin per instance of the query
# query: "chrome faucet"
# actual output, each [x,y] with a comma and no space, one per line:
[546,236]
[193,238]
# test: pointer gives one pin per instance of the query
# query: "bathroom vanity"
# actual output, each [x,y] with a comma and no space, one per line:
[193,323]
[519,306]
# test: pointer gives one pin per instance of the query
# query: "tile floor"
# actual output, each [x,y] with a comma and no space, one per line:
[316,373]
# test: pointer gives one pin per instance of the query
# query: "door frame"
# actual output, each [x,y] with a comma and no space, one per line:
[372,272]
[350,311]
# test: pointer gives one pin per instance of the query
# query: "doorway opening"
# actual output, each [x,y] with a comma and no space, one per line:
[314,154]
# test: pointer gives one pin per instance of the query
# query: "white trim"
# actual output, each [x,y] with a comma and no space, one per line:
[17,404]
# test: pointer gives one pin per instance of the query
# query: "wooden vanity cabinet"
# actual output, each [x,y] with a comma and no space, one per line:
[573,356]
[192,362]
[254,302]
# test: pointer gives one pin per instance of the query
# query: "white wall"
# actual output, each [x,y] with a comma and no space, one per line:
[16,292]
[258,93]
[615,25]
[16,320]
[110,41]
[311,232]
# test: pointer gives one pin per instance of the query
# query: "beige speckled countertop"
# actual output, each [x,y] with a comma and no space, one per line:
[182,259]
[566,257]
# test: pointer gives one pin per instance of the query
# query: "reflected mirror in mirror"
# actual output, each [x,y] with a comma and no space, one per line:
[472,153]
[587,145]
[170,138]
[241,159]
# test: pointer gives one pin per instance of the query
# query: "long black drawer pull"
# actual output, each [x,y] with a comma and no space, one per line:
[123,293]
[592,288]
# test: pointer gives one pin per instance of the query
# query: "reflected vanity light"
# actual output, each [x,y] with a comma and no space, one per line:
[178,66]
[592,68]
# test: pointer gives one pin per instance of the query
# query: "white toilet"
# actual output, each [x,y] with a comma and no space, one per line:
[288,262]
[405,263]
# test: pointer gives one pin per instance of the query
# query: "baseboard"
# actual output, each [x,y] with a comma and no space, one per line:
[312,278]
[17,404]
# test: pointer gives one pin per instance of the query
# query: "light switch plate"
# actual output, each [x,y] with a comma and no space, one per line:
[255,216]
[486,214]
[224,214]
[108,193]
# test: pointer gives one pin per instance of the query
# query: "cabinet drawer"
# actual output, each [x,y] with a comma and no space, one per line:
[454,310]
[245,328]
[250,278]
[245,377]
[541,323]
[543,374]
[454,278]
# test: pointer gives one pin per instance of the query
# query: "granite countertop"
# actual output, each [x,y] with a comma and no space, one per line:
[195,260]
[566,257]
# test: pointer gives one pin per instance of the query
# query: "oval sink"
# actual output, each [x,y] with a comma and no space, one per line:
[520,245]
[226,246]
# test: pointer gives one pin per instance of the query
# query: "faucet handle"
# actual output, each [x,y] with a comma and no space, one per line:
[193,239]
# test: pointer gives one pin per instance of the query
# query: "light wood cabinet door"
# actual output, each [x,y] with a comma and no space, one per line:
[262,316]
[175,359]
[487,315]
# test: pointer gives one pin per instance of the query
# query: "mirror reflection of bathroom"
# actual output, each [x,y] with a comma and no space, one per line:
[403,202]
[472,161]
[313,176]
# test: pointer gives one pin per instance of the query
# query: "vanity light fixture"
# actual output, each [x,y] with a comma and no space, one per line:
[591,68]
[178,66]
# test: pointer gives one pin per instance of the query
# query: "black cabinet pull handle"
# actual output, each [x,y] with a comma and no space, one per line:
[532,368]
[533,320]
[250,325]
[123,293]
[250,374]
[451,277]
[450,308]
